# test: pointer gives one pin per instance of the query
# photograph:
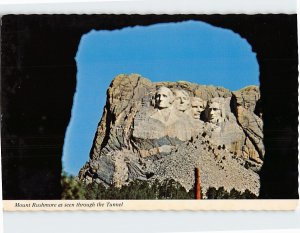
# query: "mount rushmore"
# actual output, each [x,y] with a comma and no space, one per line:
[157,131]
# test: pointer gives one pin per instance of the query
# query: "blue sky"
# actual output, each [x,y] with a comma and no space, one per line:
[192,51]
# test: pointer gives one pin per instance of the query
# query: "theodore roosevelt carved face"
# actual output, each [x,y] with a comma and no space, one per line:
[182,100]
[163,98]
[197,107]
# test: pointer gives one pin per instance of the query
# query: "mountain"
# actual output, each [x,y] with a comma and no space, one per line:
[157,131]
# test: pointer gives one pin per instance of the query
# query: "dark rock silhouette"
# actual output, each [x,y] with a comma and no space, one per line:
[38,77]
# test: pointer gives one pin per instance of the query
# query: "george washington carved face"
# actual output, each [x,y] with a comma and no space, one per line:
[182,100]
[163,98]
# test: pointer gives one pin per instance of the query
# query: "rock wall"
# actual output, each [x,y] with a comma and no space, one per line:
[165,130]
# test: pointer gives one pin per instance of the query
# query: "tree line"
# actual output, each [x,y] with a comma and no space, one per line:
[73,189]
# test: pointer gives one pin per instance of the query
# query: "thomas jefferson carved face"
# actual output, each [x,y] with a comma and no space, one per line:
[215,112]
[198,106]
[163,98]
[182,100]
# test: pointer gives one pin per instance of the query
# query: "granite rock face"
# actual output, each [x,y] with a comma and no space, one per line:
[165,130]
[245,103]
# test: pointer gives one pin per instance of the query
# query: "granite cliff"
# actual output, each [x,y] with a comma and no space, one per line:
[165,130]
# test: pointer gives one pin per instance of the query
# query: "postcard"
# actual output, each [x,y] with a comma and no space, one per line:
[149,112]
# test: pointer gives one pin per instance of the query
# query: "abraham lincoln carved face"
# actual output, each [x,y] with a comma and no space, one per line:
[214,112]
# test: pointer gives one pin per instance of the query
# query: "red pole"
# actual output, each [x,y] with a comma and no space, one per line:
[198,188]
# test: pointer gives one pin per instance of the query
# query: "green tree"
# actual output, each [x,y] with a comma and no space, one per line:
[71,188]
[221,193]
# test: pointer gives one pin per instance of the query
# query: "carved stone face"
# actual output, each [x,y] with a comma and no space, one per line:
[163,98]
[182,100]
[198,106]
[214,112]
